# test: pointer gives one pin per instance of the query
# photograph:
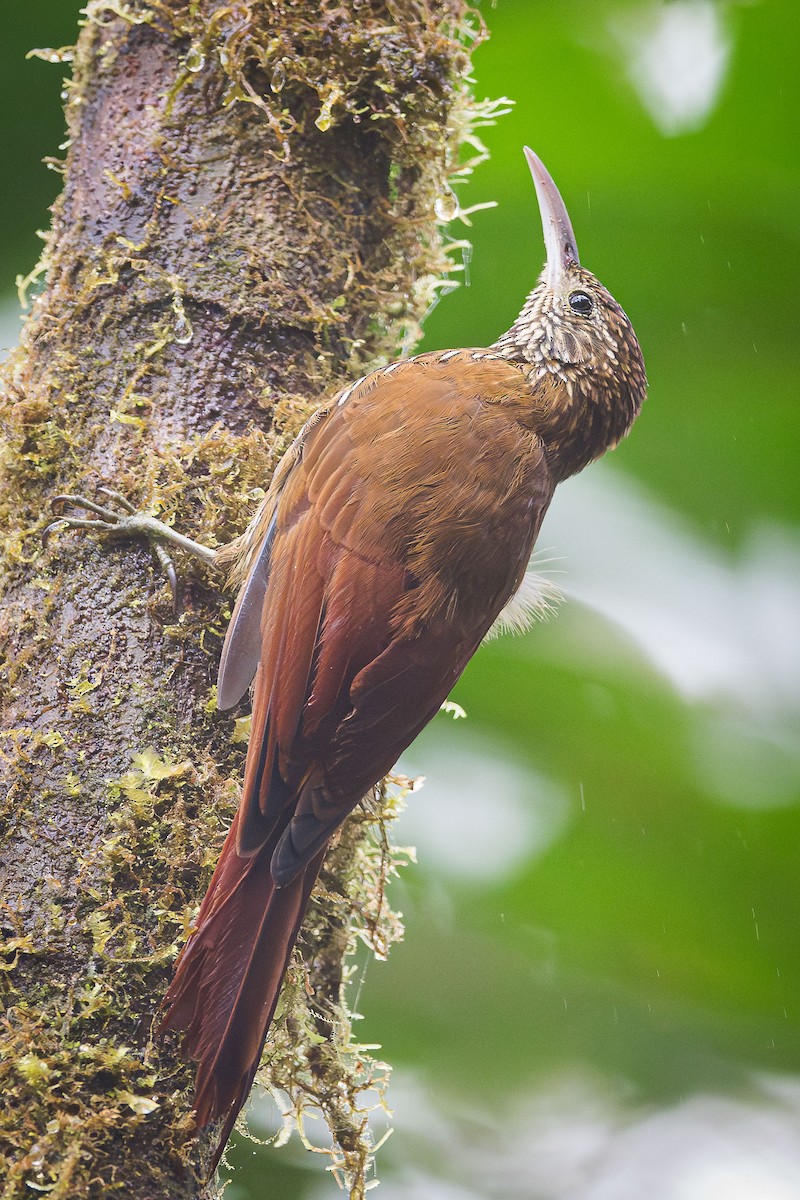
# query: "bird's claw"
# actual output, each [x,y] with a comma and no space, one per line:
[112,523]
[118,498]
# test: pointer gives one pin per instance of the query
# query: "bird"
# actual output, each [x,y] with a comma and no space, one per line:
[397,529]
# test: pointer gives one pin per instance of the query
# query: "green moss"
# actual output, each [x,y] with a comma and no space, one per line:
[60,1049]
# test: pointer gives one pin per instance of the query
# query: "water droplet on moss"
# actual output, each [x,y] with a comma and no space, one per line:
[182,331]
[195,60]
[63,55]
[278,77]
[445,206]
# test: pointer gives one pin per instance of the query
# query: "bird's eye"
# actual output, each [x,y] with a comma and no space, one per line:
[581,303]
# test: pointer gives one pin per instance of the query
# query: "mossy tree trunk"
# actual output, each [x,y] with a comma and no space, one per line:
[248,220]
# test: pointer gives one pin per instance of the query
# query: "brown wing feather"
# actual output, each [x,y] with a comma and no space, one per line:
[403,522]
[390,560]
[417,554]
[356,586]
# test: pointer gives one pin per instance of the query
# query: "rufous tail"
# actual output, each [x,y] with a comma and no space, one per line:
[229,976]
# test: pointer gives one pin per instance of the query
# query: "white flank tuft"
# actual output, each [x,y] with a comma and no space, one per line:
[536,598]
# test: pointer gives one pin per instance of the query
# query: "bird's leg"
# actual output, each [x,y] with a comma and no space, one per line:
[128,523]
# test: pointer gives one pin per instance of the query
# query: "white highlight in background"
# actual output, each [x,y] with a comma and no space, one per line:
[481,814]
[676,55]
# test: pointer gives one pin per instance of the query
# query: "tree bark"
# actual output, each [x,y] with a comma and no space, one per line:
[248,220]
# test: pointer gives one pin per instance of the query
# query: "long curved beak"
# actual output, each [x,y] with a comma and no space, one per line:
[559,240]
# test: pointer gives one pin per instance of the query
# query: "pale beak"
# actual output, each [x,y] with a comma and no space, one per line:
[559,240]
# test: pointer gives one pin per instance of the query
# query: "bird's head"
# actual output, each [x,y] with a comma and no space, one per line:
[572,330]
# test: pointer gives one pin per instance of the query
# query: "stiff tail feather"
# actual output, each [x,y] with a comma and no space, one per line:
[229,976]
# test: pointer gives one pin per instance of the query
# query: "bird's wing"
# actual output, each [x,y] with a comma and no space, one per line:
[252,557]
[401,531]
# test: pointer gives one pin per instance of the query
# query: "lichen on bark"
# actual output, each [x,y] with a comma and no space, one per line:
[249,218]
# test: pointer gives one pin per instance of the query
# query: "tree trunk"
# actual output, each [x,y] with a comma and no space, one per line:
[248,220]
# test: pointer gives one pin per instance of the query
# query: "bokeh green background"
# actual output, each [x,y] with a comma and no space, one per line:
[599,992]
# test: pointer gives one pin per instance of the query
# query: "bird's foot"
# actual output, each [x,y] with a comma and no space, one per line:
[123,521]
